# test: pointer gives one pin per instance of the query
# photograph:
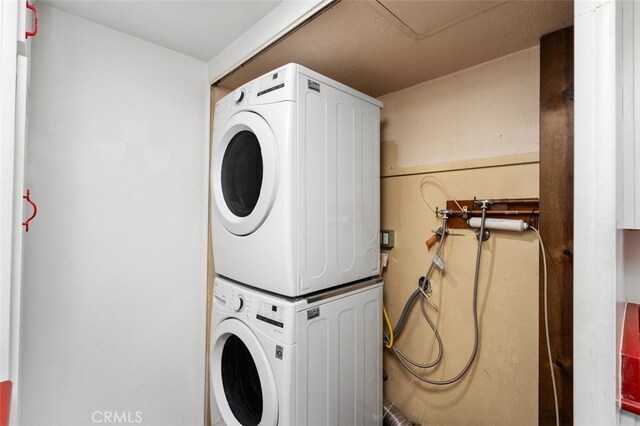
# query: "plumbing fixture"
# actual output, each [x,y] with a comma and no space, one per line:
[484,206]
[409,364]
[500,224]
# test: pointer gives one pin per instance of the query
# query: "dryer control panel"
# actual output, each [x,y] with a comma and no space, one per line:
[277,86]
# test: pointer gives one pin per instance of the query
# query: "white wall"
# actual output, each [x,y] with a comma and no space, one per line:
[115,262]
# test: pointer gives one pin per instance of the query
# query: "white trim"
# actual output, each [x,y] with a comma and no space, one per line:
[8,64]
[18,230]
[595,236]
[276,24]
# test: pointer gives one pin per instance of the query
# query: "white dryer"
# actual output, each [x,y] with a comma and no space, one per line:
[295,183]
[306,361]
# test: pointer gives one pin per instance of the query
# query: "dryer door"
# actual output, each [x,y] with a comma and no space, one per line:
[245,173]
[241,378]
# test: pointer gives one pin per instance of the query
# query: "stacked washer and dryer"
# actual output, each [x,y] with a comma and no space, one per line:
[296,329]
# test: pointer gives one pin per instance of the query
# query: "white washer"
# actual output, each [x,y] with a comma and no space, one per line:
[295,183]
[306,361]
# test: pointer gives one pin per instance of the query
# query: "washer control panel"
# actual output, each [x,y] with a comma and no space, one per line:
[271,314]
[248,307]
[236,303]
[239,96]
[267,313]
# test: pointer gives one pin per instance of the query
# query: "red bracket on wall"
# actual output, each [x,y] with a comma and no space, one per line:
[35,20]
[35,210]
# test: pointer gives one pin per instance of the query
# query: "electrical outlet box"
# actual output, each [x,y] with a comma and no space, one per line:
[387,238]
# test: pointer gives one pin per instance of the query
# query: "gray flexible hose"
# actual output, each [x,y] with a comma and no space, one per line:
[476,332]
[405,312]
[435,362]
[438,249]
[417,293]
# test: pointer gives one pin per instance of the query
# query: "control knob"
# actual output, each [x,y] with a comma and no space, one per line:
[239,96]
[236,303]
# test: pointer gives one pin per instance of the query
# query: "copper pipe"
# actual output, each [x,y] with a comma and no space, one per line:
[496,212]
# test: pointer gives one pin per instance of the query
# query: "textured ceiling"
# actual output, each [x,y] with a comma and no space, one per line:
[420,22]
[197,28]
[359,45]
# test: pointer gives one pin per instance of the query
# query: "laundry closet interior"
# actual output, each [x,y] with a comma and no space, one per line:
[461,119]
[476,106]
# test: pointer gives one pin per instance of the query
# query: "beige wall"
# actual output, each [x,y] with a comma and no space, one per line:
[487,111]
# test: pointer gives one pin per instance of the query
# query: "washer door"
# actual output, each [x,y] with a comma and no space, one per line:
[242,381]
[245,173]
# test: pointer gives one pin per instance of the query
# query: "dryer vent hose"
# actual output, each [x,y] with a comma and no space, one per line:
[393,416]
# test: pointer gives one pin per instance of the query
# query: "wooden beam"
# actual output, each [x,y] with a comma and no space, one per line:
[556,222]
[210,277]
[526,209]
[217,93]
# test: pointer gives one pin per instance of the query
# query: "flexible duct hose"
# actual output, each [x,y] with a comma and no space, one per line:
[393,416]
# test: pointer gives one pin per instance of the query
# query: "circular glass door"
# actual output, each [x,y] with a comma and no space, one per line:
[241,174]
[243,383]
[245,173]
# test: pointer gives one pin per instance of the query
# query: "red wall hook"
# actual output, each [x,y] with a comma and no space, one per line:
[35,20]
[35,210]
